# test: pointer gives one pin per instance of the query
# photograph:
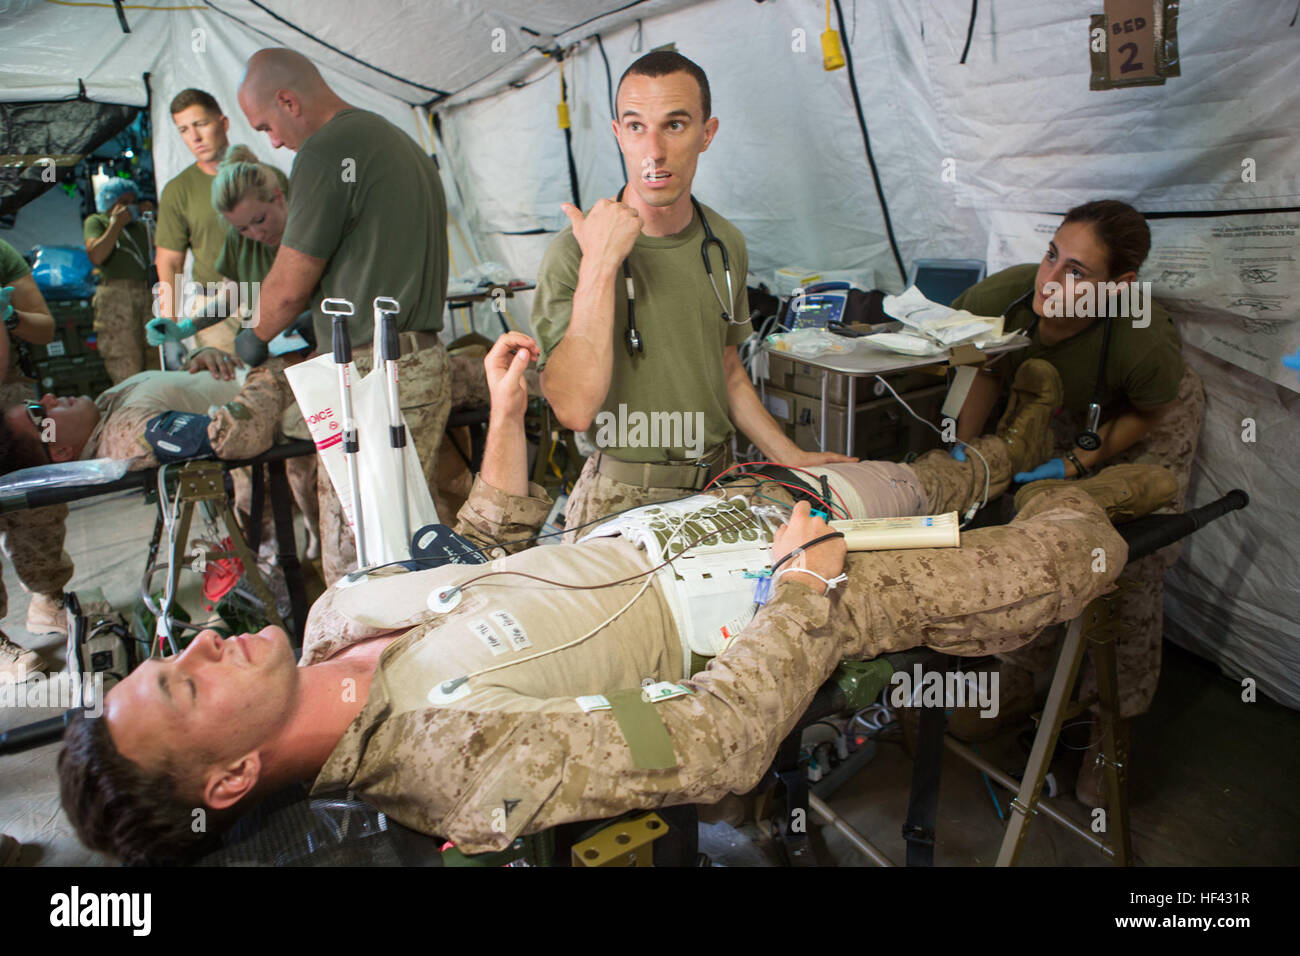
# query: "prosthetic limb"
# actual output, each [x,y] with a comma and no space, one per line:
[386,310]
[339,310]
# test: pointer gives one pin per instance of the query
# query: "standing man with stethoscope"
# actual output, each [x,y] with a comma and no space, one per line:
[640,306]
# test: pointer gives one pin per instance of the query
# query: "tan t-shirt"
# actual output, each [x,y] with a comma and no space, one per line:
[680,371]
[144,395]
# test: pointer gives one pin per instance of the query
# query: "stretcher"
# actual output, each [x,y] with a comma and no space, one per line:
[146,480]
[294,828]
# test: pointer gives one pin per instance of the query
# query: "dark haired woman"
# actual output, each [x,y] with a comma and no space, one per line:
[1151,408]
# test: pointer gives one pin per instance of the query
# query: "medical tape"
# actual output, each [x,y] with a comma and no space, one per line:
[647,738]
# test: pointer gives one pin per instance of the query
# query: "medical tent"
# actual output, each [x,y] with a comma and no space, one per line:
[956,128]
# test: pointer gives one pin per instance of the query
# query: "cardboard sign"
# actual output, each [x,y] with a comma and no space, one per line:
[1130,39]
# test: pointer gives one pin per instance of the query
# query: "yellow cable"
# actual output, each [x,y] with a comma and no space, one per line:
[125,6]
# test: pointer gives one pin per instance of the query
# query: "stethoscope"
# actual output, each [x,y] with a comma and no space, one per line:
[632,338]
[1088,439]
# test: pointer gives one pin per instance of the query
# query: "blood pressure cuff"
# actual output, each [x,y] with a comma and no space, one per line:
[179,436]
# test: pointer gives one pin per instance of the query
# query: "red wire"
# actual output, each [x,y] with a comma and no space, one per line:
[745,464]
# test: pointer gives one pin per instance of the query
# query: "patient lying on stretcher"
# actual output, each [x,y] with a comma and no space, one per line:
[234,414]
[515,703]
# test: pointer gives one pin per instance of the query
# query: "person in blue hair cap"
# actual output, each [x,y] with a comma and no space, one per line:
[118,244]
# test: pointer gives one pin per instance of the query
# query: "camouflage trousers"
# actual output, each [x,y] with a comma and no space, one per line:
[947,484]
[426,403]
[122,307]
[1140,604]
[33,539]
[595,495]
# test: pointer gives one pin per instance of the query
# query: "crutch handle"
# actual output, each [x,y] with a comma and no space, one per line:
[339,310]
[386,310]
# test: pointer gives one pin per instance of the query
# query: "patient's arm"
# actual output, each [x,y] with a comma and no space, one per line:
[504,505]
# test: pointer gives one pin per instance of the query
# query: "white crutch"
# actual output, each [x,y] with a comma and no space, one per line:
[386,311]
[339,311]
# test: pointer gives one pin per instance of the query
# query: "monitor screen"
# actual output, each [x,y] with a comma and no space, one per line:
[943,283]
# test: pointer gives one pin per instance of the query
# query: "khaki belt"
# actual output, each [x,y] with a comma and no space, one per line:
[407,342]
[687,475]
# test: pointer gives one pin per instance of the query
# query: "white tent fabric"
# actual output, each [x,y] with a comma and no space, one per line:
[1015,127]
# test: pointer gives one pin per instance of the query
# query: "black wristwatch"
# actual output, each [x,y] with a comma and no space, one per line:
[12,321]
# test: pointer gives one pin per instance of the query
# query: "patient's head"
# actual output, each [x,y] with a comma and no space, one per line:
[194,732]
[61,426]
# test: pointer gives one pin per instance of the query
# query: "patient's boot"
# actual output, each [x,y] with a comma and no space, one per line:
[47,614]
[18,662]
[1124,491]
[1036,394]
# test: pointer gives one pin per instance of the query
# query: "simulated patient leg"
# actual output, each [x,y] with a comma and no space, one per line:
[551,767]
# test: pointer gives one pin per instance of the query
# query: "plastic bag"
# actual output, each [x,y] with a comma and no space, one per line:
[63,272]
[315,384]
[95,471]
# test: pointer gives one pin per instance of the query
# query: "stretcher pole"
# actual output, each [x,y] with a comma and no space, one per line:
[386,310]
[339,311]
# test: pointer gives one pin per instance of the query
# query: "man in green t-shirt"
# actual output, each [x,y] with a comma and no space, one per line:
[367,218]
[659,391]
[118,244]
[187,221]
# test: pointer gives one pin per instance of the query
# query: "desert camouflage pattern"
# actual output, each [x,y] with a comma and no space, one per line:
[122,307]
[426,403]
[33,539]
[493,765]
[469,385]
[1140,604]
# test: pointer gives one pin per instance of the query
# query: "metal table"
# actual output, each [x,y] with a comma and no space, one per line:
[864,361]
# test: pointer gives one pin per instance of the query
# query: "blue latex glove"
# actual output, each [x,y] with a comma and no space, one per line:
[958,452]
[158,331]
[1290,361]
[250,348]
[5,308]
[1053,468]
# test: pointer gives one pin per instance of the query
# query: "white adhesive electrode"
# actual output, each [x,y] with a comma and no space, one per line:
[443,599]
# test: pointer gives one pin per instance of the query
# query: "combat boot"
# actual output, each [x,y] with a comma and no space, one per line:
[1124,491]
[18,662]
[47,614]
[1036,394]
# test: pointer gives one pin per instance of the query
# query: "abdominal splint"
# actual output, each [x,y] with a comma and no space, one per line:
[709,588]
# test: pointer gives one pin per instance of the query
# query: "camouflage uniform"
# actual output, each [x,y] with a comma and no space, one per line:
[595,495]
[1172,444]
[426,402]
[122,307]
[517,754]
[33,539]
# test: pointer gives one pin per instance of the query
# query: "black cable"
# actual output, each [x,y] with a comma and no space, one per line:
[121,16]
[970,30]
[568,133]
[609,89]
[866,141]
